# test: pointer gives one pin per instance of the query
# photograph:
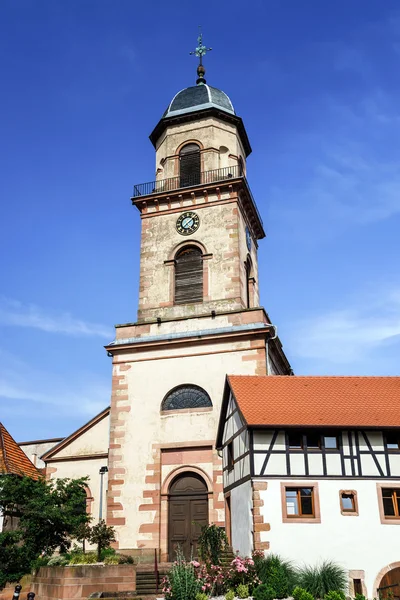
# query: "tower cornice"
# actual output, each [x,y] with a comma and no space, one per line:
[202,114]
[201,196]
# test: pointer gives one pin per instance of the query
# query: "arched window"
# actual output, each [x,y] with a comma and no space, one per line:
[189,275]
[189,165]
[186,396]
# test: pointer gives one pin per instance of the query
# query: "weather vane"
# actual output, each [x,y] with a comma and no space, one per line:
[200,51]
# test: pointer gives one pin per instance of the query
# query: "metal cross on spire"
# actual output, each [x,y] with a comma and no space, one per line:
[200,51]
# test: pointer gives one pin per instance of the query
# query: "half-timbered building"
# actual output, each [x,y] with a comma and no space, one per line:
[311,470]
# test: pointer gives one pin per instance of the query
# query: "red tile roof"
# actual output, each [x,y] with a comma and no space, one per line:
[311,401]
[12,459]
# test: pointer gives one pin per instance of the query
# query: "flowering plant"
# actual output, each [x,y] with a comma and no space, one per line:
[242,572]
[182,581]
[212,579]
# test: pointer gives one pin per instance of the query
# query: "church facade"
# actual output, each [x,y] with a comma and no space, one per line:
[199,319]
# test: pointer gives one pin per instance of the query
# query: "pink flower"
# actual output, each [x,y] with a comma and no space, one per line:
[195,563]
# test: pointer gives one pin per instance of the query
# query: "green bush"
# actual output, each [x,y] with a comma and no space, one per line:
[264,592]
[301,594]
[242,591]
[111,560]
[230,595]
[118,559]
[334,595]
[360,597]
[211,543]
[83,559]
[125,559]
[58,561]
[107,552]
[201,596]
[277,573]
[323,578]
[42,561]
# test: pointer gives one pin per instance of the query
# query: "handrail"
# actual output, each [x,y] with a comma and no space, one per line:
[205,177]
[174,183]
[156,572]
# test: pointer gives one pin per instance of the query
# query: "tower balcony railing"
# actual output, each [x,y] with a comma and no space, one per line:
[183,181]
[192,180]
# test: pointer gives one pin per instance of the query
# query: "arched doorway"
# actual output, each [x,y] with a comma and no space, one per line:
[389,586]
[187,513]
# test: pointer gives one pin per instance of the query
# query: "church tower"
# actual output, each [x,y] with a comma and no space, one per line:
[199,319]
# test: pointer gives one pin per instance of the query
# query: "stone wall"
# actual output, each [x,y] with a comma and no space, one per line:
[78,582]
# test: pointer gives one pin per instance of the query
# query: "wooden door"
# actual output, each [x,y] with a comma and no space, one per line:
[188,512]
[389,586]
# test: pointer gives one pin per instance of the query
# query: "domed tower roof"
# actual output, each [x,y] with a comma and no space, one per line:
[198,97]
[198,102]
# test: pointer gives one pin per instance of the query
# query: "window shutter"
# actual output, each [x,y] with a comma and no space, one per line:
[189,165]
[189,276]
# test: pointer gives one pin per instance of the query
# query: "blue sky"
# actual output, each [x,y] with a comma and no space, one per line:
[83,84]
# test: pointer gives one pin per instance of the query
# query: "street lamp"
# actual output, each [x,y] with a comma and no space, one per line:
[102,471]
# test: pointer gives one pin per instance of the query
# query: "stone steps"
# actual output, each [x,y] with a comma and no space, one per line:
[146,585]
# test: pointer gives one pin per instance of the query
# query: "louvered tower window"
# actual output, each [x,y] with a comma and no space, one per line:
[188,275]
[189,164]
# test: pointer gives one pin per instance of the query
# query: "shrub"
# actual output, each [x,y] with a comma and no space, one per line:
[58,561]
[242,591]
[334,595]
[230,595]
[83,559]
[111,560]
[324,578]
[211,543]
[201,596]
[42,561]
[102,535]
[360,597]
[107,552]
[277,573]
[301,594]
[264,592]
[125,559]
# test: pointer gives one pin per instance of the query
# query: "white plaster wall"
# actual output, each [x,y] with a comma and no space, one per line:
[356,542]
[145,426]
[36,449]
[93,441]
[241,519]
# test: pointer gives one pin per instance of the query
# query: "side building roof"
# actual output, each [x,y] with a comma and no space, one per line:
[314,401]
[13,460]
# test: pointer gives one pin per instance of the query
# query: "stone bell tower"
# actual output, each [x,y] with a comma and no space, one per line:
[199,319]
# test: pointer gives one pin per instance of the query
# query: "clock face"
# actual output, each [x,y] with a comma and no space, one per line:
[248,239]
[187,223]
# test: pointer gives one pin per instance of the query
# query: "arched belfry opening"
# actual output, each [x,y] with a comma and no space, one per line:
[187,513]
[249,282]
[188,275]
[189,165]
